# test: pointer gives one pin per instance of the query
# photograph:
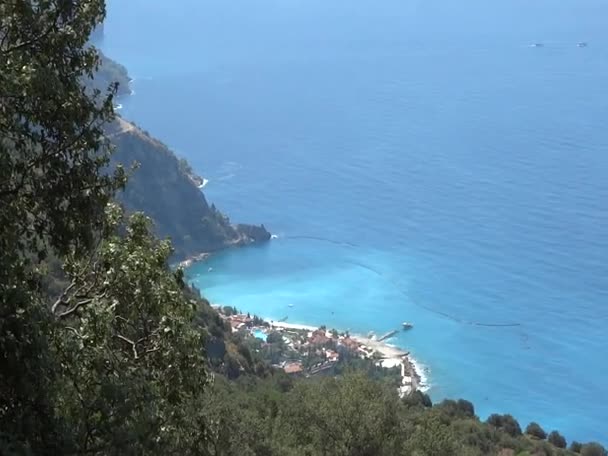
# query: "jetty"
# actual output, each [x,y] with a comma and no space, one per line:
[387,335]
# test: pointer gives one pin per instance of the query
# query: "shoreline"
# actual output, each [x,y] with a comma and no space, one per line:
[413,373]
[242,241]
[191,260]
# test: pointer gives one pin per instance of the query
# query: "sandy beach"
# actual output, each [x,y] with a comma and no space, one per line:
[285,325]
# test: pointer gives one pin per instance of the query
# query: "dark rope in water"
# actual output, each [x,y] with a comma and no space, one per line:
[397,286]
[431,309]
[322,239]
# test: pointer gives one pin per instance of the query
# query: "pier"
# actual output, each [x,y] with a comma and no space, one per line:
[387,335]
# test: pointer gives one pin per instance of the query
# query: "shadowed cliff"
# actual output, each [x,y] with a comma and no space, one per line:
[162,188]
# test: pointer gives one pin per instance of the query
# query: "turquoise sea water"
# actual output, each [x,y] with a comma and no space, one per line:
[419,161]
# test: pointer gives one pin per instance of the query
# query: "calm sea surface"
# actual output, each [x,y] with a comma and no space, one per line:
[419,161]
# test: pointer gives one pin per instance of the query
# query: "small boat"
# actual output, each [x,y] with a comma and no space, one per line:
[537,45]
[290,305]
[582,44]
[407,325]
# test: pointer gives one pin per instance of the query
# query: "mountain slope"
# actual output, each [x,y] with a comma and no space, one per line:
[162,188]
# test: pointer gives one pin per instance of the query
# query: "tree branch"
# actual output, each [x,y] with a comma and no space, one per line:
[79,304]
[35,39]
[61,299]
[75,331]
[130,342]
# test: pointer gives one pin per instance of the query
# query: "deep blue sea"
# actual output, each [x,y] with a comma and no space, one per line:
[419,161]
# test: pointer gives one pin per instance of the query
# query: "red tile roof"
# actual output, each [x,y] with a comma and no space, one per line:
[293,368]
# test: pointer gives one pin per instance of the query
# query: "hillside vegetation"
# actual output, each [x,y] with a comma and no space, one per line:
[122,358]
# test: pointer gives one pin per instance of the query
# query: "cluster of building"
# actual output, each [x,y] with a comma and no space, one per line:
[325,347]
[238,321]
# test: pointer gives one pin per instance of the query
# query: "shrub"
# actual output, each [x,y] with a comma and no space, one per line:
[535,430]
[495,420]
[593,449]
[557,439]
[460,408]
[466,408]
[576,447]
[418,398]
[274,337]
[505,422]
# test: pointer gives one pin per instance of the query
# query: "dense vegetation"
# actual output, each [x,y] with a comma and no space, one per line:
[115,358]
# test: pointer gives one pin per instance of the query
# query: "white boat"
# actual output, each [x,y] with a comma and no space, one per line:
[407,325]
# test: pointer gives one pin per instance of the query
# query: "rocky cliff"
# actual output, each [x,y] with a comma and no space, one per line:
[110,72]
[162,188]
[165,187]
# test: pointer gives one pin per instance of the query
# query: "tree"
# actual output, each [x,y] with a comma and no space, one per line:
[535,430]
[274,337]
[229,311]
[466,408]
[350,416]
[432,436]
[417,398]
[555,438]
[114,365]
[576,447]
[505,422]
[593,449]
[133,369]
[52,195]
[460,408]
[52,145]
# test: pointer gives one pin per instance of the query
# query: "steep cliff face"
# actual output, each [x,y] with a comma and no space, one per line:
[162,188]
[110,72]
[165,187]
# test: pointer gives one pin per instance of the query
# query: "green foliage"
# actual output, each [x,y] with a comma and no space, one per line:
[555,438]
[350,416]
[460,408]
[418,398]
[52,196]
[257,321]
[506,423]
[274,338]
[593,449]
[534,430]
[133,369]
[575,447]
[390,377]
[52,147]
[433,436]
[229,310]
[114,365]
